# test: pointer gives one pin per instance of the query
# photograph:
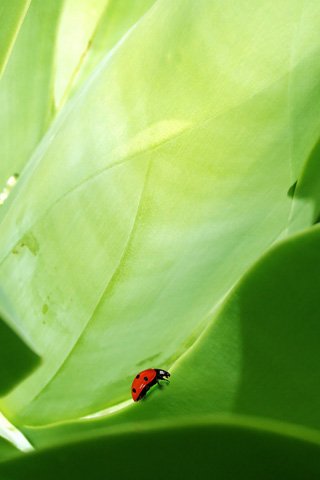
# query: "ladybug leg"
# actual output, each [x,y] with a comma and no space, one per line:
[159,384]
[142,395]
[165,379]
[158,381]
[144,392]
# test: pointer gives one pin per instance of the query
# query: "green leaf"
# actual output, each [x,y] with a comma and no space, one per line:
[303,133]
[7,450]
[151,195]
[17,360]
[11,16]
[306,201]
[90,31]
[259,357]
[26,97]
[214,449]
[78,22]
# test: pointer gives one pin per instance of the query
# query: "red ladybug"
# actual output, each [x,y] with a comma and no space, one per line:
[145,380]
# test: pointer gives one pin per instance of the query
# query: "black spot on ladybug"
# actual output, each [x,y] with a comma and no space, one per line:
[138,376]
[145,379]
[134,390]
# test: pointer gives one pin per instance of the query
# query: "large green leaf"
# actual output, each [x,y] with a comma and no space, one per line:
[89,30]
[161,181]
[26,90]
[215,449]
[11,16]
[259,357]
[78,23]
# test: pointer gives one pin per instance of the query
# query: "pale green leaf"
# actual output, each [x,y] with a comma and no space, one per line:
[161,181]
[117,20]
[78,22]
[26,89]
[88,32]
[259,356]
[12,13]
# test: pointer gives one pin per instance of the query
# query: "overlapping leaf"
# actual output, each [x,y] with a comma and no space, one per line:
[216,449]
[259,357]
[306,204]
[7,450]
[161,181]
[89,30]
[26,88]
[11,16]
[16,359]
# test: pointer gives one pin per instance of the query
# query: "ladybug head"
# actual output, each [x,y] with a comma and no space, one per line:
[162,374]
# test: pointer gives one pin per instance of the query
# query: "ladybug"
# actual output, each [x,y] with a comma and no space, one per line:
[145,380]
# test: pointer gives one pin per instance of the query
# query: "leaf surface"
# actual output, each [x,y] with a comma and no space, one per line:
[11,17]
[161,181]
[217,448]
[7,450]
[27,104]
[17,359]
[259,356]
[88,32]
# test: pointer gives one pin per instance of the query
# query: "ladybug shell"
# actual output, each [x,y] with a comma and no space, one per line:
[142,382]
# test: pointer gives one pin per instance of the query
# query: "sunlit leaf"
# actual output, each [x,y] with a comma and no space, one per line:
[259,357]
[11,17]
[160,183]
[78,23]
[89,30]
[26,96]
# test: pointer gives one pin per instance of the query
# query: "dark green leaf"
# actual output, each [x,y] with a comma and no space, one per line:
[7,450]
[218,450]
[17,360]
